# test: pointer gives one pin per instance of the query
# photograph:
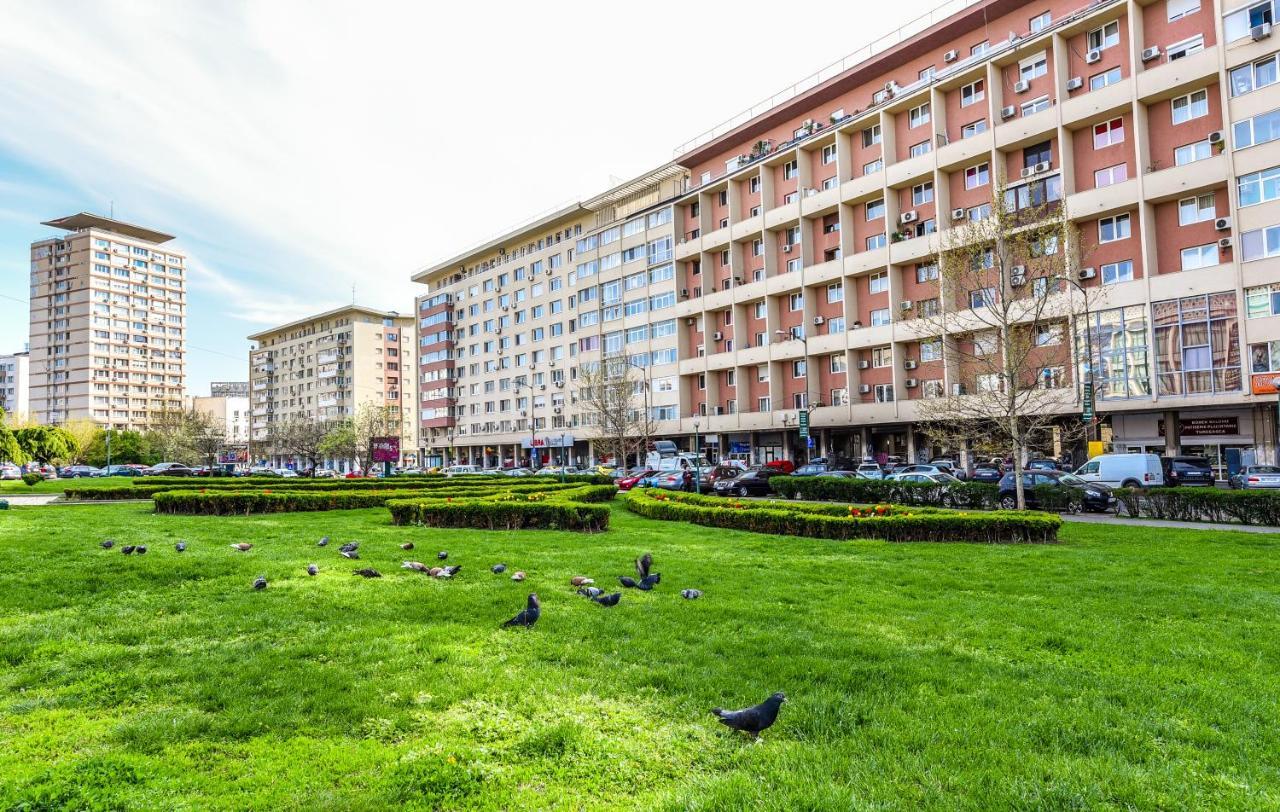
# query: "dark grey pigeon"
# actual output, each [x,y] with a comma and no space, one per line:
[529,614]
[608,600]
[127,549]
[108,544]
[141,549]
[498,568]
[691,594]
[590,591]
[349,546]
[442,555]
[755,719]
[180,546]
[643,563]
[408,545]
[323,542]
[312,569]
[367,572]
[260,582]
[649,582]
[449,572]
[350,554]
[629,582]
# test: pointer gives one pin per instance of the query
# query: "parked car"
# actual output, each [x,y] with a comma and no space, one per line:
[10,471]
[325,473]
[80,471]
[286,472]
[754,482]
[870,470]
[674,481]
[1124,470]
[120,470]
[633,478]
[723,472]
[926,478]
[783,466]
[1256,476]
[1091,495]
[921,468]
[840,475]
[455,470]
[950,467]
[986,472]
[823,464]
[1042,465]
[167,469]
[1187,471]
[517,471]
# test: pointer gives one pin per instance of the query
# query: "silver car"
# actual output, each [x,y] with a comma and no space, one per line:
[1256,476]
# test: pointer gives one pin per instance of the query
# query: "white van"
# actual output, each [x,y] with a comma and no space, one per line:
[454,470]
[1124,470]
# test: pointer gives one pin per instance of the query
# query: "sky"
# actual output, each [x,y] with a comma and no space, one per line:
[299,150]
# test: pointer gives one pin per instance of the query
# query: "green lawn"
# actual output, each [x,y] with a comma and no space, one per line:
[1122,668]
[11,487]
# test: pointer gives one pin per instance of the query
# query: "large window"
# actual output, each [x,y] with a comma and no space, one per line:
[1196,209]
[1263,300]
[972,93]
[1199,256]
[1114,272]
[1104,37]
[1192,105]
[1034,193]
[1118,338]
[1107,77]
[1259,187]
[1238,24]
[1257,130]
[1108,133]
[1260,243]
[1251,77]
[1198,344]
[976,176]
[918,115]
[1190,153]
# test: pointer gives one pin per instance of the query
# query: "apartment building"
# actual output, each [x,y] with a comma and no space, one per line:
[506,327]
[228,404]
[807,226]
[108,323]
[324,368]
[15,383]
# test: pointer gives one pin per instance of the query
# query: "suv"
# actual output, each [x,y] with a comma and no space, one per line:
[1187,471]
[1089,495]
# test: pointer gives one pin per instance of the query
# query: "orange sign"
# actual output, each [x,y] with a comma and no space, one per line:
[1264,383]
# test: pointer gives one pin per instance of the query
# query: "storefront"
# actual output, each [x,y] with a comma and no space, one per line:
[1225,437]
[553,449]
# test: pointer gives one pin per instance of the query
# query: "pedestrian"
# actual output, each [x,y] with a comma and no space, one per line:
[687,476]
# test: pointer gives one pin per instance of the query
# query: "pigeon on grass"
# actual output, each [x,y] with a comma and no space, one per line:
[755,719]
[528,615]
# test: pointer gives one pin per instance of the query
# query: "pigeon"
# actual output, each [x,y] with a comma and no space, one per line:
[141,549]
[590,591]
[416,566]
[628,582]
[650,581]
[498,569]
[243,547]
[529,614]
[350,554]
[643,563]
[312,569]
[323,542]
[180,546]
[608,600]
[127,549]
[579,580]
[691,594]
[367,572]
[448,572]
[755,719]
[350,546]
[408,545]
[260,582]
[108,544]
[442,555]
[519,576]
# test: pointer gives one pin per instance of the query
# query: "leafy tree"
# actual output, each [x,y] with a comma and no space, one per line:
[127,448]
[10,448]
[83,431]
[46,444]
[353,437]
[168,434]
[300,436]
[206,435]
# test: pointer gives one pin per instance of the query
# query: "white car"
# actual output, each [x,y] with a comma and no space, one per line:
[10,471]
[286,472]
[455,470]
[1124,470]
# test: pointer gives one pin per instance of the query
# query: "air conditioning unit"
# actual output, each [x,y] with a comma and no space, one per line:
[786,249]
[865,389]
[1094,56]
[951,56]
[559,384]
[907,304]
[1021,86]
[497,331]
[558,410]
[1225,242]
[864,365]
[912,383]
[1151,53]
[819,320]
[717,335]
[1007,112]
[909,217]
[737,280]
[689,321]
[684,293]
[1043,166]
[1222,224]
[957,214]
[1215,137]
[1075,83]
[1028,171]
[957,389]
[719,410]
[1087,273]
[505,308]
[1259,32]
[910,363]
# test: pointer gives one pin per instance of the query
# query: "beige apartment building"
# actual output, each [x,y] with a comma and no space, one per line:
[108,323]
[324,368]
[228,404]
[807,232]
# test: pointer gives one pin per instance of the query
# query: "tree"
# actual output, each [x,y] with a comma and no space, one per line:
[353,437]
[10,448]
[83,431]
[168,434]
[1003,327]
[619,419]
[127,448]
[340,441]
[46,444]
[300,436]
[207,435]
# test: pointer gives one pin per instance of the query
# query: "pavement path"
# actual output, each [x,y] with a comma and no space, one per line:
[1107,518]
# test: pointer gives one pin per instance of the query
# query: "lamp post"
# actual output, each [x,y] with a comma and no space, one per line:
[108,433]
[563,461]
[1088,344]
[1276,383]
[697,459]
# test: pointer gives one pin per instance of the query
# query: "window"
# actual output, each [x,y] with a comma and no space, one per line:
[757,248]
[1260,243]
[829,154]
[979,212]
[1238,24]
[1117,272]
[1257,130]
[926,273]
[976,176]
[1033,67]
[1186,47]
[980,49]
[973,128]
[983,297]
[1111,175]
[988,383]
[1262,301]
[922,148]
[1193,105]
[1048,334]
[799,368]
[829,183]
[884,393]
[790,169]
[873,167]
[880,317]
[875,209]
[835,293]
[1196,209]
[1101,80]
[1041,153]
[878,283]
[1104,37]
[926,74]
[882,357]
[917,116]
[795,302]
[1177,9]
[1035,106]
[931,350]
[1248,78]
[1040,22]
[835,326]
[759,309]
[1190,153]
[1199,256]
[973,93]
[922,193]
[1115,228]
[1108,133]
[762,404]
[1259,187]
[876,241]
[1051,377]
[794,265]
[753,184]
[1196,339]
[871,136]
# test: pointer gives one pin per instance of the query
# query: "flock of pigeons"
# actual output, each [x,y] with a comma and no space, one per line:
[752,720]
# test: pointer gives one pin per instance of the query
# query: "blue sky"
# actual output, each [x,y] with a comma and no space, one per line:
[299,148]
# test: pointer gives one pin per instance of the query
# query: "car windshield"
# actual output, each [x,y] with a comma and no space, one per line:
[1071,479]
[945,477]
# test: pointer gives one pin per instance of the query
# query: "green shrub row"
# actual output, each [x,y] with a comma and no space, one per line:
[1202,505]
[268,481]
[570,509]
[147,488]
[899,525]
[974,495]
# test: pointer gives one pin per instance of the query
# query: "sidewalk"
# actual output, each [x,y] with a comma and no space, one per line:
[1108,518]
[27,499]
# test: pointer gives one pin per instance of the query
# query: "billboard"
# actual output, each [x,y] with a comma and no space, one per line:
[385,449]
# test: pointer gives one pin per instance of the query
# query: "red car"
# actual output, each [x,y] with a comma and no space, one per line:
[782,466]
[629,481]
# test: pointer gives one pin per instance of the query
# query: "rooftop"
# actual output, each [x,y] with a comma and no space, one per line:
[84,220]
[328,314]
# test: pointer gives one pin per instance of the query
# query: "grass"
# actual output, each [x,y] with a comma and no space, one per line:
[1121,668]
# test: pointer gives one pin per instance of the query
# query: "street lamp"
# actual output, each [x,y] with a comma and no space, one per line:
[1276,383]
[1088,344]
[697,459]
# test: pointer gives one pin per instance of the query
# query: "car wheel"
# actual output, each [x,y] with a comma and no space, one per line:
[1074,506]
[1130,483]
[1008,503]
[743,492]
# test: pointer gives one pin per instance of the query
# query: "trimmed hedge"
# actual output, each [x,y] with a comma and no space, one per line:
[974,495]
[567,509]
[898,524]
[1202,505]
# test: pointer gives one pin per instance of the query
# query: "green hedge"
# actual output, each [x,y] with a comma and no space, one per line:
[820,521]
[973,495]
[567,509]
[1202,505]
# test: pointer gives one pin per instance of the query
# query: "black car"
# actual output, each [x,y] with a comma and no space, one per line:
[986,473]
[1187,471]
[747,483]
[822,465]
[1083,495]
[1042,465]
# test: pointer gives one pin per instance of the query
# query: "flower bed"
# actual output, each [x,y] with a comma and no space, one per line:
[883,521]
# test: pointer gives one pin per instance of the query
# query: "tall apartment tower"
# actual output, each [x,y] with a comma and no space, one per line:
[108,323]
[15,383]
[323,368]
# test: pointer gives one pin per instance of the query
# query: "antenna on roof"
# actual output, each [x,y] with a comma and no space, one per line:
[353,294]
[113,210]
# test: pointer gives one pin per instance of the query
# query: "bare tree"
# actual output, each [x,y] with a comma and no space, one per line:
[1004,327]
[168,432]
[301,436]
[207,436]
[353,437]
[615,396]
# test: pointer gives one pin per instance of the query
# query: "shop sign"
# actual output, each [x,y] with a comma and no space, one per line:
[386,449]
[1204,426]
[1265,383]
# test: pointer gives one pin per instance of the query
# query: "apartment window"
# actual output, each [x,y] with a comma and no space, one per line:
[1196,340]
[871,136]
[1104,37]
[1033,67]
[926,273]
[1115,228]
[1259,187]
[1190,153]
[838,363]
[1111,175]
[795,302]
[1251,77]
[884,393]
[1040,22]
[922,193]
[829,183]
[876,241]
[763,404]
[1199,256]
[973,93]
[1048,334]
[790,170]
[789,198]
[1101,80]
[976,176]
[794,265]
[932,389]
[799,368]
[1257,130]
[922,148]
[881,357]
[835,326]
[1185,48]
[880,317]
[1035,106]
[931,350]
[873,167]
[1108,133]
[878,283]
[835,293]
[829,154]
[980,49]
[1177,9]
[926,74]
[753,184]
[973,128]
[1238,24]
[1196,209]
[875,209]
[1193,105]
[983,297]
[917,116]
[1114,272]
[1260,243]
[1262,301]
[757,248]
